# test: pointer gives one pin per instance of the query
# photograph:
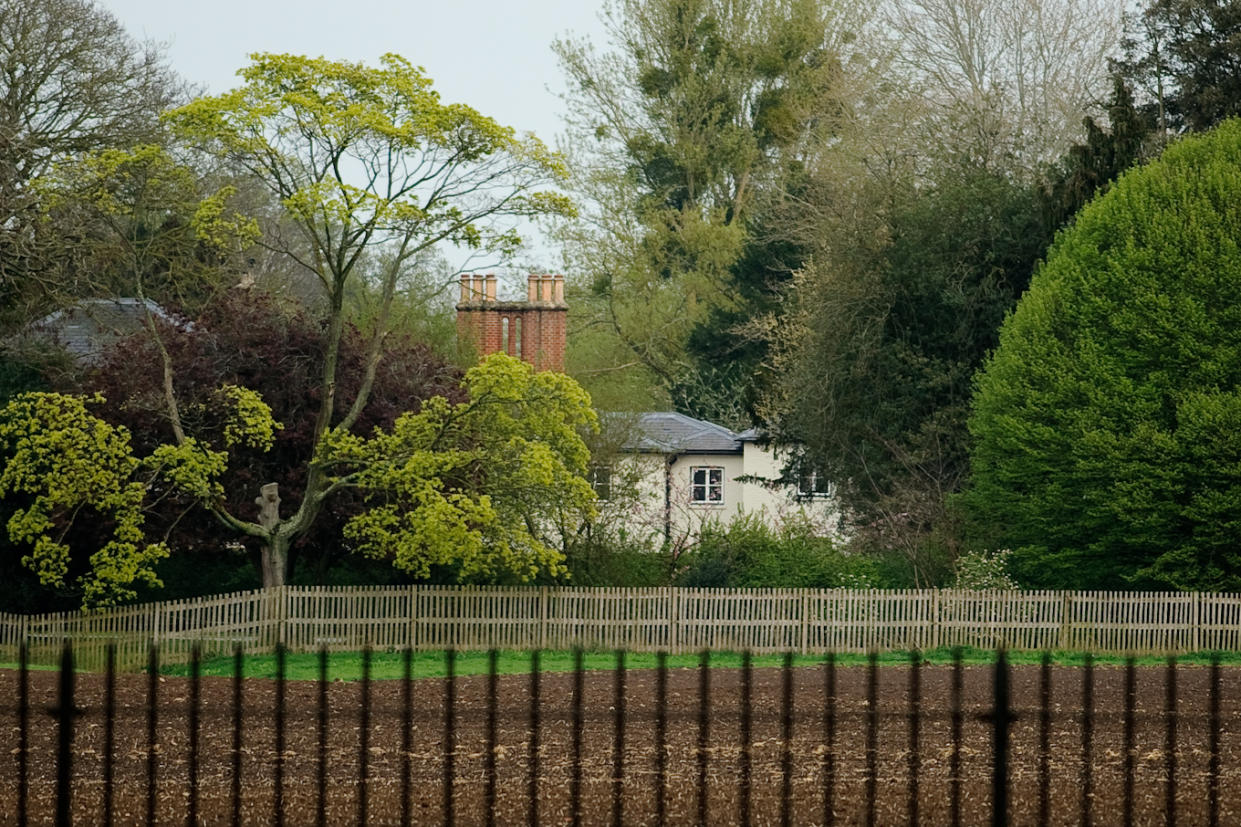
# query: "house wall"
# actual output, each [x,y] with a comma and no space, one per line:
[639,503]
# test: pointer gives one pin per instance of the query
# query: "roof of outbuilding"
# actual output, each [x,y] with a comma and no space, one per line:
[90,325]
[666,432]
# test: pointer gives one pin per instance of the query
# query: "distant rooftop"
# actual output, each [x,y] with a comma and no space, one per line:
[89,326]
[665,432]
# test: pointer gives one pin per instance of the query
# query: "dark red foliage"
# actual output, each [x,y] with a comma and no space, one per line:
[250,339]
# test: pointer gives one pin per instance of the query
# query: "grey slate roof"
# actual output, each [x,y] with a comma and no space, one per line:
[665,432]
[86,328]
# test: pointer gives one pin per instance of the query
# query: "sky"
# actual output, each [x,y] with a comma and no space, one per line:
[490,54]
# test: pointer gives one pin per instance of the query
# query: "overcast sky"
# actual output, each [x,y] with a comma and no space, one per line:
[490,54]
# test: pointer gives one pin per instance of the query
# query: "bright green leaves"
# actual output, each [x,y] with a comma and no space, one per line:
[136,190]
[249,419]
[61,460]
[191,468]
[364,155]
[485,486]
[215,224]
[1105,423]
[61,463]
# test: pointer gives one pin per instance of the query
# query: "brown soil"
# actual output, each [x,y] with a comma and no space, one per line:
[301,792]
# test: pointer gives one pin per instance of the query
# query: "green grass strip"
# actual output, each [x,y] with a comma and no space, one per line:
[347,666]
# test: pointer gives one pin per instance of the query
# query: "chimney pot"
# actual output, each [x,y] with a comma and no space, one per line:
[478,288]
[532,288]
[547,288]
[465,288]
[491,287]
[559,288]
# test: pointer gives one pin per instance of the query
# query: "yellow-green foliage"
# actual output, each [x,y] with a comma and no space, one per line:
[485,485]
[141,185]
[191,468]
[429,170]
[63,459]
[250,422]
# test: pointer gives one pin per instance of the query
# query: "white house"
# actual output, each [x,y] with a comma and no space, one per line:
[672,474]
[665,474]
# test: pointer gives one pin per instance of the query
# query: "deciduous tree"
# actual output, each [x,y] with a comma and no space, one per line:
[363,159]
[1005,81]
[250,339]
[71,81]
[692,118]
[1185,57]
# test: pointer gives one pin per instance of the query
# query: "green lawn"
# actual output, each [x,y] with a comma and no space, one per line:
[390,665]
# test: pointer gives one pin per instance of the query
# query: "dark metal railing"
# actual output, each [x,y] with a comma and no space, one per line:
[692,747]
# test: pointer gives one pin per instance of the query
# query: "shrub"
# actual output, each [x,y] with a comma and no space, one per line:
[748,553]
[1105,424]
[981,570]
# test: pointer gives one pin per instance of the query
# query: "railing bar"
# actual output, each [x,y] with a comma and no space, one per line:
[489,755]
[618,740]
[278,737]
[661,737]
[915,754]
[109,731]
[195,702]
[532,797]
[1170,715]
[704,733]
[786,739]
[65,713]
[152,732]
[872,733]
[1129,737]
[1001,712]
[364,739]
[321,744]
[237,721]
[1087,731]
[747,677]
[450,734]
[829,739]
[1213,727]
[407,731]
[1044,741]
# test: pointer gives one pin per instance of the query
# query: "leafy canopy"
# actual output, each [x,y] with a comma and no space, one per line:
[483,485]
[361,155]
[60,460]
[1105,450]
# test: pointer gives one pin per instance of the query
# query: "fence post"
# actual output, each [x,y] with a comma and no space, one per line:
[414,631]
[935,619]
[1066,605]
[805,620]
[283,597]
[542,617]
[1197,604]
[674,620]
[155,623]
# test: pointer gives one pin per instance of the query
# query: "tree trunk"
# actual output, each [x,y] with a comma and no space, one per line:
[275,556]
[275,552]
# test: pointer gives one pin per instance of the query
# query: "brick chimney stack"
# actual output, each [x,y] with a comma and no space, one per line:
[532,330]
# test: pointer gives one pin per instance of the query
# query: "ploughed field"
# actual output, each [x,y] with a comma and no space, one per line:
[385,758]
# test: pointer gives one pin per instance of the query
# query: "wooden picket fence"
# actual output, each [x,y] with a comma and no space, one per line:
[661,619]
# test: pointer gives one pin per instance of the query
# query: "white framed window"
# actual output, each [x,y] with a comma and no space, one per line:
[813,484]
[706,485]
[600,477]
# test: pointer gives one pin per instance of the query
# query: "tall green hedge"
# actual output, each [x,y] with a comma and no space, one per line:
[1107,424]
